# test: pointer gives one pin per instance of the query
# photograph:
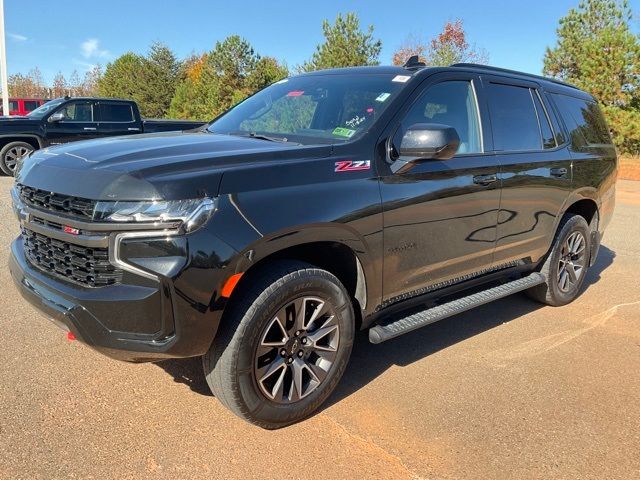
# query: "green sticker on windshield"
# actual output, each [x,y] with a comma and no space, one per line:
[344,132]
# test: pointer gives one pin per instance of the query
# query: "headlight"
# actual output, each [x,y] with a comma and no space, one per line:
[192,213]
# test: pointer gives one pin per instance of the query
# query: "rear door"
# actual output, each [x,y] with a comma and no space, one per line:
[79,123]
[116,118]
[440,217]
[535,168]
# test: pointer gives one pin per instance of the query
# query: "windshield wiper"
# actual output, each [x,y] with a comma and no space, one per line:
[260,136]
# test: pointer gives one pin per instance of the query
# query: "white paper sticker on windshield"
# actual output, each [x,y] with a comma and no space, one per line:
[382,97]
[284,80]
[401,78]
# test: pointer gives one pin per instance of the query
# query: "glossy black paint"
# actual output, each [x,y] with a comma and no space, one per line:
[435,225]
[42,132]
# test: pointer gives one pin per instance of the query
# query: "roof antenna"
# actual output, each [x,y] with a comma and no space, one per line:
[413,62]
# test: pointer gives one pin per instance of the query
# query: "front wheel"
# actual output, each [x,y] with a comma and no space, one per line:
[283,346]
[11,154]
[565,267]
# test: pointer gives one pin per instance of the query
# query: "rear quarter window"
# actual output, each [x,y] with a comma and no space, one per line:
[583,120]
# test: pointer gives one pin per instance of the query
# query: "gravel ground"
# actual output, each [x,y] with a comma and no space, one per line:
[510,390]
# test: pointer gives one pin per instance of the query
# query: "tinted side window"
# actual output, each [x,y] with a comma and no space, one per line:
[30,105]
[115,112]
[584,121]
[558,130]
[513,118]
[451,103]
[78,112]
[548,139]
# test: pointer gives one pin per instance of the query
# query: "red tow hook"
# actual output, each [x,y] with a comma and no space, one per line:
[70,336]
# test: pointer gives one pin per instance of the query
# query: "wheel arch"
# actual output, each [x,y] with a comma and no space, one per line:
[350,267]
[34,140]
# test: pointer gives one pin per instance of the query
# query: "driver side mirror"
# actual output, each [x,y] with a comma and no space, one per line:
[56,117]
[426,141]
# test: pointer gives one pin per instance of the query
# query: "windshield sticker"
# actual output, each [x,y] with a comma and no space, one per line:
[344,132]
[401,78]
[295,93]
[382,97]
[355,121]
[284,80]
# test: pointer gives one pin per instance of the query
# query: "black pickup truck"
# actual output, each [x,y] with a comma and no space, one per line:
[374,198]
[71,119]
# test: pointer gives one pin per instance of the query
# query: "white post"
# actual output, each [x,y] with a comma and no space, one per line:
[3,63]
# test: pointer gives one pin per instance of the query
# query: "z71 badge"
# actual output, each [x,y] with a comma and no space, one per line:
[352,166]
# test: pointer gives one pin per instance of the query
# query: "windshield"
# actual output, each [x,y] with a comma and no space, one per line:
[45,109]
[312,109]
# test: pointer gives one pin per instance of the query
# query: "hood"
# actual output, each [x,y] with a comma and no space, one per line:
[14,120]
[173,165]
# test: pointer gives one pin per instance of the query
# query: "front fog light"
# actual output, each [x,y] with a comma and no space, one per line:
[192,213]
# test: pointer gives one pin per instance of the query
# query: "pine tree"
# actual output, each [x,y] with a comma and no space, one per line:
[598,52]
[345,45]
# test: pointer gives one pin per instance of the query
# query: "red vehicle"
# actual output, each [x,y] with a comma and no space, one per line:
[22,106]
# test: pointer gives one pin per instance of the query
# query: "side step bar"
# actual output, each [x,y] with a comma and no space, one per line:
[382,333]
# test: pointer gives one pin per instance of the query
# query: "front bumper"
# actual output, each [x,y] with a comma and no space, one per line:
[176,317]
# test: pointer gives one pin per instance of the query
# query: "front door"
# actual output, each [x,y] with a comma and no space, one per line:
[440,217]
[79,123]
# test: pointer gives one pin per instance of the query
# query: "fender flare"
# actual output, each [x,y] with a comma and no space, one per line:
[368,289]
[18,136]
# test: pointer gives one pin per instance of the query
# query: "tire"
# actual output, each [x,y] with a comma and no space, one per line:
[10,154]
[561,287]
[252,341]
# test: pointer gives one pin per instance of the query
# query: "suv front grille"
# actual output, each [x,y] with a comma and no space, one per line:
[81,208]
[82,265]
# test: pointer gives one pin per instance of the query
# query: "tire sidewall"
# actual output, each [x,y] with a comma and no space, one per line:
[3,152]
[574,224]
[306,283]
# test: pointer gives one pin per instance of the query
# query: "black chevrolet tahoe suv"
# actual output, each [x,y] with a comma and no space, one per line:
[71,119]
[378,198]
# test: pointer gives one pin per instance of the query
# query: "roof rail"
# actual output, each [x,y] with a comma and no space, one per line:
[514,72]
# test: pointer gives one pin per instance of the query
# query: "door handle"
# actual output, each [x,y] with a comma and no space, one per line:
[484,179]
[558,172]
[90,129]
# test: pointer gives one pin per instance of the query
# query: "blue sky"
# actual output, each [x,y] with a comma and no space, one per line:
[64,35]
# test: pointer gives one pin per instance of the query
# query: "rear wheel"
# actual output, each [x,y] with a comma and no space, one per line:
[283,347]
[566,265]
[11,154]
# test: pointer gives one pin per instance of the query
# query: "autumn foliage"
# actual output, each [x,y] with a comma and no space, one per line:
[448,47]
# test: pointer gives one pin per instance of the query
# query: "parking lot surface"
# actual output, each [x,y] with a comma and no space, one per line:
[509,390]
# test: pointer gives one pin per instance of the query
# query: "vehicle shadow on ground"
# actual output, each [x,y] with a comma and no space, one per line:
[370,361]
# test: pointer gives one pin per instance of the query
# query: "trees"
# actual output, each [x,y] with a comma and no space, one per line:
[122,77]
[448,47]
[345,45]
[91,80]
[223,77]
[598,52]
[151,81]
[30,85]
[160,77]
[59,87]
